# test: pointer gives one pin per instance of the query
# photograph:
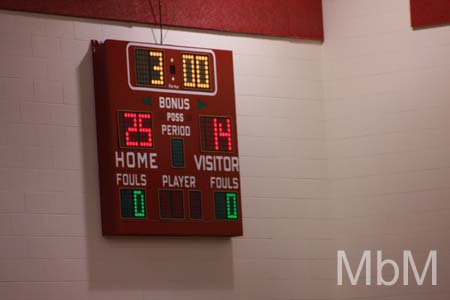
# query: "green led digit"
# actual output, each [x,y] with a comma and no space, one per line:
[232,206]
[139,203]
[177,153]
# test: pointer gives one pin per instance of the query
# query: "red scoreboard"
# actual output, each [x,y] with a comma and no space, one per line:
[167,140]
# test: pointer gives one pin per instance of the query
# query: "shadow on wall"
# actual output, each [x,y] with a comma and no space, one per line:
[141,262]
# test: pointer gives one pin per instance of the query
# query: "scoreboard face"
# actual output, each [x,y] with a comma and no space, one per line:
[167,140]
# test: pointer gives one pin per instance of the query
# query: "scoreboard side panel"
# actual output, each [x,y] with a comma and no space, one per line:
[104,141]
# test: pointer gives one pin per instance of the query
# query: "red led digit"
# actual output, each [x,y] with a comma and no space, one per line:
[220,133]
[228,134]
[148,131]
[216,135]
[134,128]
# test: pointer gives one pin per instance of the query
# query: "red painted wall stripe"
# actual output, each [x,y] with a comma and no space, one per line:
[287,18]
[430,12]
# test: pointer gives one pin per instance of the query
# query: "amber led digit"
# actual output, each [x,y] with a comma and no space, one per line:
[157,67]
[196,71]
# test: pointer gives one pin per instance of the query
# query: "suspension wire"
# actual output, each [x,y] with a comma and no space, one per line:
[160,23]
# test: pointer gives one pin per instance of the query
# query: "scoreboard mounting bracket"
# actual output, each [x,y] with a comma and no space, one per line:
[167,140]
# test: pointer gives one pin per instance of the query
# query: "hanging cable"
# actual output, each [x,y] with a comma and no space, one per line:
[160,23]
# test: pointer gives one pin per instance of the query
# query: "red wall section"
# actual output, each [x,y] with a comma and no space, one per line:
[430,12]
[288,18]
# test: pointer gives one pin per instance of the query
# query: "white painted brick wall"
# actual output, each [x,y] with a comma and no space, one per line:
[354,155]
[50,241]
[387,111]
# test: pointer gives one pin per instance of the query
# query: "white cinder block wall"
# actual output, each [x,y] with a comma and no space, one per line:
[50,241]
[387,116]
[343,145]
